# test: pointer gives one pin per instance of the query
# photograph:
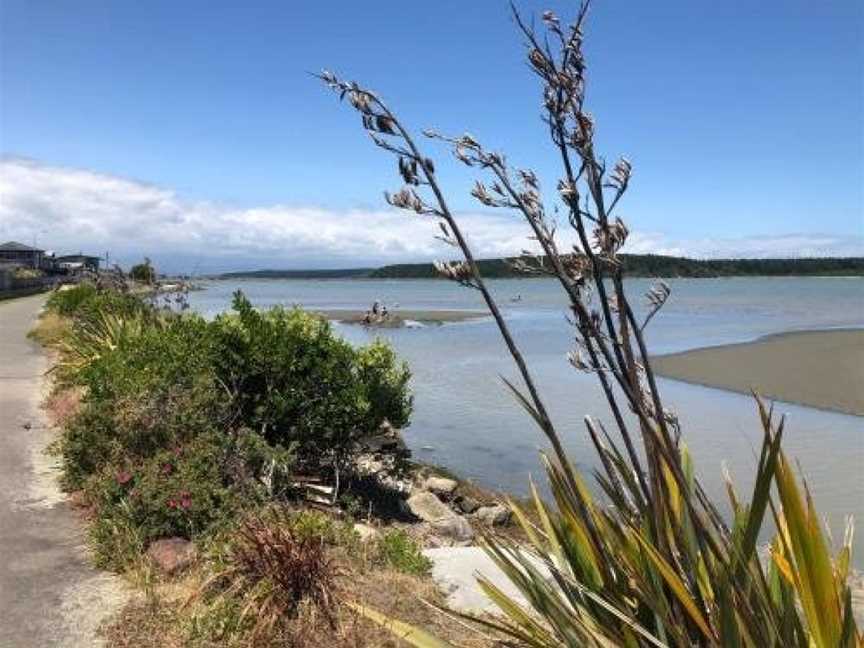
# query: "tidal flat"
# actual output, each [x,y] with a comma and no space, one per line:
[823,369]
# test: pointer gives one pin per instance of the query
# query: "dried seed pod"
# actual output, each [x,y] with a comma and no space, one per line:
[620,176]
[480,193]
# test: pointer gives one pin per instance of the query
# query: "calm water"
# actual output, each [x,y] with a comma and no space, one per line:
[465,419]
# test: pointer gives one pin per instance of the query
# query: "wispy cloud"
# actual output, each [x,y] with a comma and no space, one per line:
[74,209]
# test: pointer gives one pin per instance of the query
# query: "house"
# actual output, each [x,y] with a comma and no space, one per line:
[15,253]
[78,262]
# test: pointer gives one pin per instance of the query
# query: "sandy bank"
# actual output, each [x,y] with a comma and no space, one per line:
[823,369]
[399,317]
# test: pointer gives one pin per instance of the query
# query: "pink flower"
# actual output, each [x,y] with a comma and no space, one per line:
[172,504]
[167,468]
[124,477]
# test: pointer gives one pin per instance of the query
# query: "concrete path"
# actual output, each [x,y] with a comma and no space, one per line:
[49,595]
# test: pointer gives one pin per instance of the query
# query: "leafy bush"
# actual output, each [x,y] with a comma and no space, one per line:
[154,380]
[151,391]
[177,492]
[86,302]
[183,422]
[303,386]
[144,272]
[68,302]
[400,551]
[185,491]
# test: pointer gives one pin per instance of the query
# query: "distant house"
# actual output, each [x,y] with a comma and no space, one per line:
[78,262]
[16,253]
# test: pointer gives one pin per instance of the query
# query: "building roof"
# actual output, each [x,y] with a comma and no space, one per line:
[14,246]
[70,257]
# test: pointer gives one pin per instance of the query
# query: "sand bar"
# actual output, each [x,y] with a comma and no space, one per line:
[399,317]
[823,369]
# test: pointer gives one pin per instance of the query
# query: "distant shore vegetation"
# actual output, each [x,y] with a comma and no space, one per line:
[634,265]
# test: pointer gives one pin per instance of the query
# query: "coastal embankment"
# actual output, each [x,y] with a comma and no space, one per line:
[49,594]
[823,369]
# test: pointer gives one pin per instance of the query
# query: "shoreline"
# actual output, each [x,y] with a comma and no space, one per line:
[822,368]
[399,317]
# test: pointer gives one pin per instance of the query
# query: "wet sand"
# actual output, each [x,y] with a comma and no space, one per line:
[823,369]
[399,317]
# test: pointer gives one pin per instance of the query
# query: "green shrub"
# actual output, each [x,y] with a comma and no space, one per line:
[86,302]
[303,386]
[400,551]
[184,491]
[155,380]
[154,390]
[68,302]
[326,528]
[144,272]
[385,380]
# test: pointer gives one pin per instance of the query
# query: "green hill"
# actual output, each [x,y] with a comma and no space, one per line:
[635,265]
[654,265]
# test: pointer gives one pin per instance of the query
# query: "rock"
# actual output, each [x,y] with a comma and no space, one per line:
[369,465]
[172,554]
[428,507]
[454,570]
[456,528]
[385,470]
[387,440]
[443,521]
[494,515]
[440,485]
[366,532]
[467,504]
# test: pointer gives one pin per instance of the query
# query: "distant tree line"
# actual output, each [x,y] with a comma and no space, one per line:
[635,265]
[346,273]
[655,265]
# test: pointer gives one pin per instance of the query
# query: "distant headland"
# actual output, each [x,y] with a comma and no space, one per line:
[635,265]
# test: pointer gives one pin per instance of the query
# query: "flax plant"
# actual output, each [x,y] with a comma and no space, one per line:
[656,564]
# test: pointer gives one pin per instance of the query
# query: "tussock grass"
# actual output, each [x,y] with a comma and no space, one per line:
[50,329]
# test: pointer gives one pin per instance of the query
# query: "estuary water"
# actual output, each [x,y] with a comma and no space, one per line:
[465,418]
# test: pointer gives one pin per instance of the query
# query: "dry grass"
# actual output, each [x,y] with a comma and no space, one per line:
[50,329]
[145,624]
[161,619]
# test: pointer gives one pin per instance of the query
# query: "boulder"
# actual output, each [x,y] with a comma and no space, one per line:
[366,532]
[428,507]
[440,485]
[442,520]
[172,555]
[494,515]
[455,528]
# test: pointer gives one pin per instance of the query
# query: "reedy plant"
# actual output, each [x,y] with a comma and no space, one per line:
[660,566]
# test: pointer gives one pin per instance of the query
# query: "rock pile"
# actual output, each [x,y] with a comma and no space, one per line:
[447,514]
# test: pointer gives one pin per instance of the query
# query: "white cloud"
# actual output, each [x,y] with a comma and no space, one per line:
[72,209]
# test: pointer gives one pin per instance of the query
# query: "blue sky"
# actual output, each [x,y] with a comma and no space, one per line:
[743,121]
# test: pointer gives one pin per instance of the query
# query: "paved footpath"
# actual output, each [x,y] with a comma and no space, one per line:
[49,595]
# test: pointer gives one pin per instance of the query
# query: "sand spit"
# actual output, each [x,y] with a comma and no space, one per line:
[823,369]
